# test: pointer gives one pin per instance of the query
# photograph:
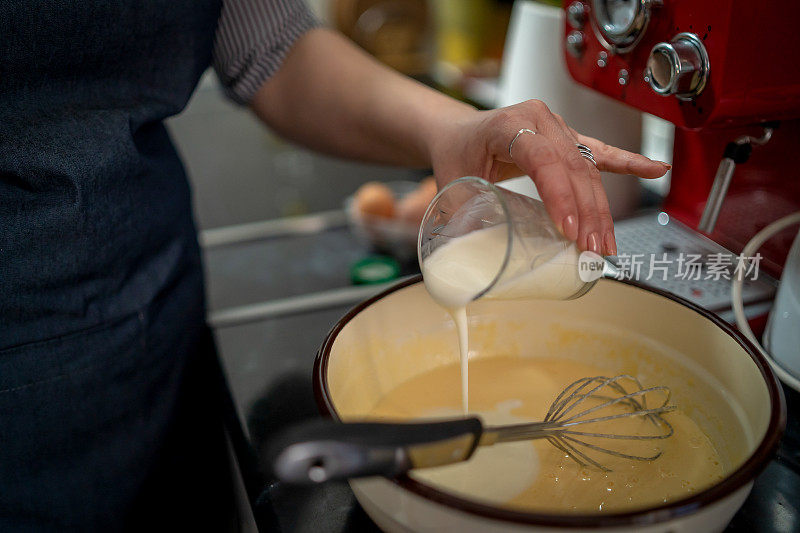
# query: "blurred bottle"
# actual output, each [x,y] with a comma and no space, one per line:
[461,29]
[396,32]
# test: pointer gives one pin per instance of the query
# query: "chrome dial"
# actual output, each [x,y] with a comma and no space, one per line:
[679,67]
[620,24]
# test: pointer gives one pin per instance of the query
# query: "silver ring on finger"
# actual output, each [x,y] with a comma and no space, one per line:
[586,153]
[520,132]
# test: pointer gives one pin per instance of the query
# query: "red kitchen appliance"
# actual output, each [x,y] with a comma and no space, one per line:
[723,72]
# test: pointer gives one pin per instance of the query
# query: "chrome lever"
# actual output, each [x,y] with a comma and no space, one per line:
[736,152]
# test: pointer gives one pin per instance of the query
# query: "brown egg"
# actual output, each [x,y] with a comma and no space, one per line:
[428,187]
[376,199]
[412,208]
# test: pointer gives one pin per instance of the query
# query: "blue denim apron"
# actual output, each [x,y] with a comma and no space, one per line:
[109,409]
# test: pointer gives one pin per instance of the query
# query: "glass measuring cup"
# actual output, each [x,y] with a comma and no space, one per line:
[478,240]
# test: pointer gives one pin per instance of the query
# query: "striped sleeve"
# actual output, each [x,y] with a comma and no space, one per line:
[252,40]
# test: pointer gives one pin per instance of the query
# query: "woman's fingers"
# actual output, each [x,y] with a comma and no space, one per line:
[589,216]
[608,240]
[569,184]
[612,159]
[540,158]
[591,221]
[537,155]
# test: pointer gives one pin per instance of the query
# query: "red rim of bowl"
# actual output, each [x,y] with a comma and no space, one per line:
[741,476]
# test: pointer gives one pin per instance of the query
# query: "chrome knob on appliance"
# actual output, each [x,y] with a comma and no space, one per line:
[575,43]
[620,24]
[679,67]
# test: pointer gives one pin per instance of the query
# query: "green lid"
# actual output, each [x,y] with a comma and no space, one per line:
[374,269]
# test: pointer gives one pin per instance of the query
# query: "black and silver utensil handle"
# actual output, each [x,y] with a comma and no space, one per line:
[325,450]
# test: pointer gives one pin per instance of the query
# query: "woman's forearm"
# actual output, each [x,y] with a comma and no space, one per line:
[331,96]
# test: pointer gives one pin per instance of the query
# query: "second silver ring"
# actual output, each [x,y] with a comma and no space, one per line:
[586,153]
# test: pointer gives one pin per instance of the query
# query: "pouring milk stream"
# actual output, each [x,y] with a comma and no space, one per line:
[480,241]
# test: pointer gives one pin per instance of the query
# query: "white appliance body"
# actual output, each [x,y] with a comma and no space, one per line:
[782,337]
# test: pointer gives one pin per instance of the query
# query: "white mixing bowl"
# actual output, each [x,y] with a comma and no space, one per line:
[716,377]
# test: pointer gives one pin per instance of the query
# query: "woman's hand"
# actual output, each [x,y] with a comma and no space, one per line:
[333,97]
[476,143]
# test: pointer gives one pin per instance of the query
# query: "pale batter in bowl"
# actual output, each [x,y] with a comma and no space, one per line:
[535,476]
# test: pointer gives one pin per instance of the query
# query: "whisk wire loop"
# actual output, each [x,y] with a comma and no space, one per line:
[640,408]
[574,406]
[615,453]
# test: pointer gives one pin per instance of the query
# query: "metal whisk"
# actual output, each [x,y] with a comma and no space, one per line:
[589,401]
[577,423]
